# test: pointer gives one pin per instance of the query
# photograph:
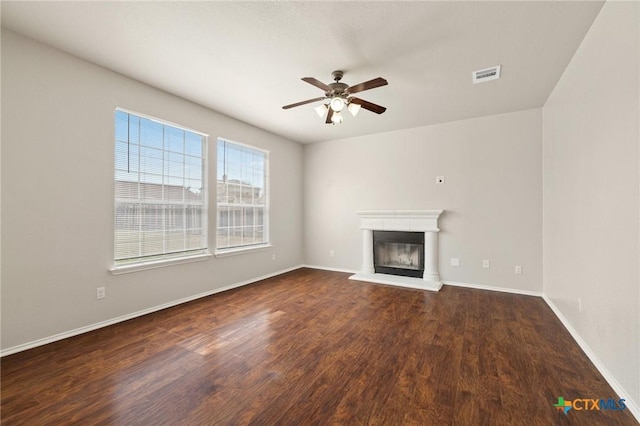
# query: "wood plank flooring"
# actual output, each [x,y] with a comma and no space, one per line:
[313,348]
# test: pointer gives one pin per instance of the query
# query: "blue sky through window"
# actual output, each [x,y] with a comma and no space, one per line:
[241,164]
[152,152]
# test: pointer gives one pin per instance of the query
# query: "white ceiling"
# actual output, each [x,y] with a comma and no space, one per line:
[245,59]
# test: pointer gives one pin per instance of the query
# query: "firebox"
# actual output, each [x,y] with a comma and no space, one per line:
[398,253]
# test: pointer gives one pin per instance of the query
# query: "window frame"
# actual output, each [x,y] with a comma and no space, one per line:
[120,267]
[266,244]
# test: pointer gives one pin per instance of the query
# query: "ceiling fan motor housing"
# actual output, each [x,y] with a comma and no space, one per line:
[337,89]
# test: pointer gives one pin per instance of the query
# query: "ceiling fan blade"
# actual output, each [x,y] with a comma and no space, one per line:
[308,101]
[376,82]
[368,105]
[329,116]
[317,83]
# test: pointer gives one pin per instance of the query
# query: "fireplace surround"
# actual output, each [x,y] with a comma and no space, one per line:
[423,222]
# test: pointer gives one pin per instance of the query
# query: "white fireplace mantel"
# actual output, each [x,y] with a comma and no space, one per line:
[401,220]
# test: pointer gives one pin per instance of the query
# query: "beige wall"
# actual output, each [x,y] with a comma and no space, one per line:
[492,194]
[572,166]
[591,193]
[57,195]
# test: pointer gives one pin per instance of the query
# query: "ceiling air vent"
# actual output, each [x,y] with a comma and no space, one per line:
[487,74]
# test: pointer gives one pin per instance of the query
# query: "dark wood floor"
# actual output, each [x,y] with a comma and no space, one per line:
[314,348]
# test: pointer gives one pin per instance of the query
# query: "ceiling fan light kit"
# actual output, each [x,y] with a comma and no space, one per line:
[339,95]
[337,103]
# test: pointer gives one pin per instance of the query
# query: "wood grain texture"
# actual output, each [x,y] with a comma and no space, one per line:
[313,348]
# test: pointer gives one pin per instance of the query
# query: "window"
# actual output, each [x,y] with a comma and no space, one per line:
[242,201]
[160,190]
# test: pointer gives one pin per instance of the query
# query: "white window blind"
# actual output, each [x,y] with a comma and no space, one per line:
[242,201]
[160,190]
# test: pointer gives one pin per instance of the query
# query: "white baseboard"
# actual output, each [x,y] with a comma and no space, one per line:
[326,268]
[101,324]
[453,283]
[492,288]
[613,382]
[610,378]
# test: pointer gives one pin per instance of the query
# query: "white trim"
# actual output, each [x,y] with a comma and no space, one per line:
[423,221]
[121,268]
[161,121]
[241,250]
[326,268]
[610,378]
[135,267]
[400,220]
[267,203]
[266,151]
[492,288]
[398,281]
[452,283]
[101,324]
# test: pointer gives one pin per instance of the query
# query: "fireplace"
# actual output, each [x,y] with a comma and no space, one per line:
[400,247]
[398,253]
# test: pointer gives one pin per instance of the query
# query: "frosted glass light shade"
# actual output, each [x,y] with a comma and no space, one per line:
[337,104]
[321,110]
[354,108]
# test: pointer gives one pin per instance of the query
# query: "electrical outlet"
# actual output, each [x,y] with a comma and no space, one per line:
[518,269]
[273,256]
[332,253]
[439,179]
[455,262]
[579,304]
[486,264]
[101,293]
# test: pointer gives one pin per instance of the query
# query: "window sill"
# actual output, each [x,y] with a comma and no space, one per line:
[241,250]
[125,269]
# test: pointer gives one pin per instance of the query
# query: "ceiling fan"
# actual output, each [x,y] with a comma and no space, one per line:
[339,96]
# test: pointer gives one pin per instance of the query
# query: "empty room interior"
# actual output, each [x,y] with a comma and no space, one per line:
[320,213]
